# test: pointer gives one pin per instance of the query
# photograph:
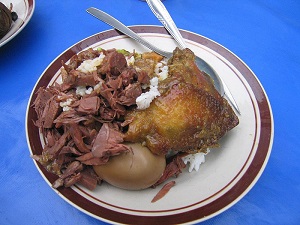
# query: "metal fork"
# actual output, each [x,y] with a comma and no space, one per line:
[125,30]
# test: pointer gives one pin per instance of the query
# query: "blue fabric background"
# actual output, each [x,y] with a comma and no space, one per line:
[264,34]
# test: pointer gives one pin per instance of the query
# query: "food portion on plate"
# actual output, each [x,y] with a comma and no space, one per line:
[130,119]
[7,17]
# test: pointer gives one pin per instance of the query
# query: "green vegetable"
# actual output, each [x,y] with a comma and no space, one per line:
[123,51]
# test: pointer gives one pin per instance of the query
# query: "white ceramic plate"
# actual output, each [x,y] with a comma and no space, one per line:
[24,9]
[229,172]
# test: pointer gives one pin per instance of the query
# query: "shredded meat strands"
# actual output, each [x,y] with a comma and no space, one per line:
[163,191]
[84,119]
[82,130]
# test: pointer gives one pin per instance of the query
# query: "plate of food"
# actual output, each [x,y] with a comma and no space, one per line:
[122,134]
[15,15]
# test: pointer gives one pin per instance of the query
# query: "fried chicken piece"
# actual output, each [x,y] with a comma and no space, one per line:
[189,115]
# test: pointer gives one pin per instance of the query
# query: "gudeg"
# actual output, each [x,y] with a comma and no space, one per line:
[135,170]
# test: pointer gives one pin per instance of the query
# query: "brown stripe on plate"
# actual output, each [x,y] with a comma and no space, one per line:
[199,214]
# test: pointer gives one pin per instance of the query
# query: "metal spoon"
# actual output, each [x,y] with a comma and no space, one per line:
[125,30]
[164,17]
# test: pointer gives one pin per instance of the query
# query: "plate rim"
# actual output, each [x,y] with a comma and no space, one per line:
[236,61]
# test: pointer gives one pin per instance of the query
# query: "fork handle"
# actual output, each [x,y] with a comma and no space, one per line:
[165,18]
[125,30]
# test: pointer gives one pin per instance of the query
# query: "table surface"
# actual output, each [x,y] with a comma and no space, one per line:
[264,34]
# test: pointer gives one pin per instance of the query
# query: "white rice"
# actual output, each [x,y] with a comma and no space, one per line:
[130,61]
[97,87]
[66,104]
[195,160]
[144,100]
[80,90]
[90,65]
[161,70]
[89,90]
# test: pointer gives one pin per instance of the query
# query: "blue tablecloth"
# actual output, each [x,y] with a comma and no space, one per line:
[264,34]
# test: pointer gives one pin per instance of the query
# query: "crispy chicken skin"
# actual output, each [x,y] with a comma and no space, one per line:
[189,115]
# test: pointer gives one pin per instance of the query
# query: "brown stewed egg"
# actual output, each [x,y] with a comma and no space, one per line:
[134,170]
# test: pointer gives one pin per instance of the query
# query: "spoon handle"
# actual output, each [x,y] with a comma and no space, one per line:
[165,18]
[125,30]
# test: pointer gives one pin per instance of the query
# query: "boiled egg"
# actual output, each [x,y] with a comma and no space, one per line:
[134,170]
